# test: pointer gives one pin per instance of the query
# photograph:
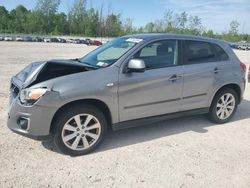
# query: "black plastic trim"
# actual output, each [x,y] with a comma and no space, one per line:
[154,119]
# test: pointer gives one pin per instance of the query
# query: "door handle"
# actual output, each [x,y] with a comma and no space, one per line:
[216,70]
[174,77]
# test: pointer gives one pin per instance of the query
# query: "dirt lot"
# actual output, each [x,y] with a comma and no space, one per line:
[186,152]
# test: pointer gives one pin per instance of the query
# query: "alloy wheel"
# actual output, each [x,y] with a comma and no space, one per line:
[81,132]
[225,106]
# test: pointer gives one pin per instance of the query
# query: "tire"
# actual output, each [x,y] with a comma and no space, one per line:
[79,130]
[219,111]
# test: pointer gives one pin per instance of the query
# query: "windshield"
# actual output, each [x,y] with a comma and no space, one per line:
[109,53]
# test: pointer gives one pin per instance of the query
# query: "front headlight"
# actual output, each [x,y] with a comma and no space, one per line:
[31,95]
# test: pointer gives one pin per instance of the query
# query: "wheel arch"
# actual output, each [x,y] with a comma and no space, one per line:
[233,86]
[94,102]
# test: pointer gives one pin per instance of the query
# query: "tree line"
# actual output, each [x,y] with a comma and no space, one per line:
[81,20]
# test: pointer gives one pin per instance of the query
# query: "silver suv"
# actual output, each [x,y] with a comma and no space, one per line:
[130,81]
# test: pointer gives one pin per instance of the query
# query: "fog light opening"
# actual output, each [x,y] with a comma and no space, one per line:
[24,123]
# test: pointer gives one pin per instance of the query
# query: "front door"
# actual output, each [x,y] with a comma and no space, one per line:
[156,91]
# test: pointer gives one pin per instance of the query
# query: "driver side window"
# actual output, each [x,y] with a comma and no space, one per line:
[159,54]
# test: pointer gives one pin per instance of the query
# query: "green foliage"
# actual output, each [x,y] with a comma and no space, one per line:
[47,10]
[4,19]
[77,17]
[45,19]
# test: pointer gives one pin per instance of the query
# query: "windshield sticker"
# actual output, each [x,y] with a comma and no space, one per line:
[135,40]
[102,64]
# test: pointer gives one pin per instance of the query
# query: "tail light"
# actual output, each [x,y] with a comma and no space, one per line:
[244,67]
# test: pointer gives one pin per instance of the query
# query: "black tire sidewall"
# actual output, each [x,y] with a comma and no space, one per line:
[212,112]
[65,115]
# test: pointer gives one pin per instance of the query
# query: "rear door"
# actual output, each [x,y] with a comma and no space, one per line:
[200,72]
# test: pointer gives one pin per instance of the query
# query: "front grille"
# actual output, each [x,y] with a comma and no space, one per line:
[14,90]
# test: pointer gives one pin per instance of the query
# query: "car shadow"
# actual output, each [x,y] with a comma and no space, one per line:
[135,135]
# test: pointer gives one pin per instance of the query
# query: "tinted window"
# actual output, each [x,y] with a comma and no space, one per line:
[199,52]
[220,54]
[159,54]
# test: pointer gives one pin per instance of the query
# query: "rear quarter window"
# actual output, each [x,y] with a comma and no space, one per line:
[202,52]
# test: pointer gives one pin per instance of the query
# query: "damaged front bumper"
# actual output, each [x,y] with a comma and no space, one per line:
[32,121]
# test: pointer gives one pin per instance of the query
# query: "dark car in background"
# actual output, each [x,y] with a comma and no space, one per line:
[87,41]
[37,39]
[61,40]
[27,39]
[54,40]
[234,46]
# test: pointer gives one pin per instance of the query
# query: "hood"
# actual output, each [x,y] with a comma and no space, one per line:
[41,71]
[28,70]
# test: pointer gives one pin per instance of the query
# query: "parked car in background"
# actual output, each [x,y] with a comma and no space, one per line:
[87,41]
[8,38]
[18,38]
[37,39]
[96,43]
[47,39]
[61,40]
[1,38]
[54,40]
[69,40]
[93,42]
[82,41]
[234,46]
[243,47]
[130,81]
[76,41]
[27,39]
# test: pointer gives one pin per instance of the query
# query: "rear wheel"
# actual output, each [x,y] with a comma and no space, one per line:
[79,130]
[223,106]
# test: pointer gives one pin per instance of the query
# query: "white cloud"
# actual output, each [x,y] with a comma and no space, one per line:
[215,14]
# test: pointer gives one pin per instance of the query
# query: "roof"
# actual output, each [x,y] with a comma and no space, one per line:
[150,36]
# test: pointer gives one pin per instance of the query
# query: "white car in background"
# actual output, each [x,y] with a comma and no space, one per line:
[243,47]
[8,38]
[19,38]
[47,40]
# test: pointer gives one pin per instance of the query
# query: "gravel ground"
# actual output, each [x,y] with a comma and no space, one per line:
[185,152]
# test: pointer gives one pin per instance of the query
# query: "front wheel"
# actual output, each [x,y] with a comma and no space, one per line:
[79,130]
[223,106]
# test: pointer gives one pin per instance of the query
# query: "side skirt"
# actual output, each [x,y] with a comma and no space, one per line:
[155,119]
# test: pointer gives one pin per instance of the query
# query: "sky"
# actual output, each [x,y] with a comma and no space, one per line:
[215,14]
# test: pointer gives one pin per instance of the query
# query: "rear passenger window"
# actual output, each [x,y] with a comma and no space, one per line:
[199,52]
[159,54]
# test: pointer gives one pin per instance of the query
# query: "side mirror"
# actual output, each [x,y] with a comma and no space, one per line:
[136,65]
